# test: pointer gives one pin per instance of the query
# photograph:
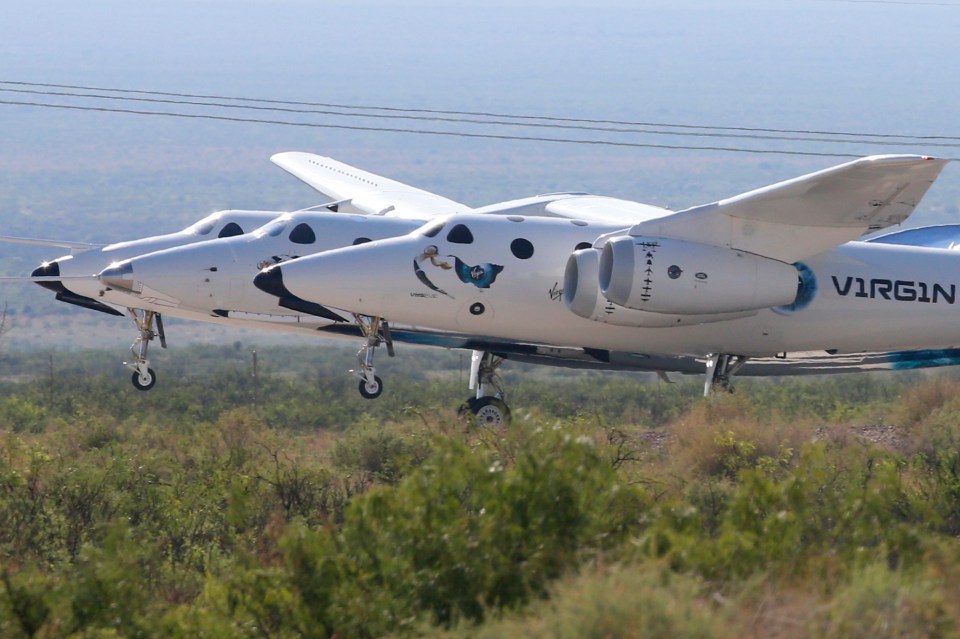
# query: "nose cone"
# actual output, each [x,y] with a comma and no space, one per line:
[118,275]
[367,278]
[49,269]
[270,281]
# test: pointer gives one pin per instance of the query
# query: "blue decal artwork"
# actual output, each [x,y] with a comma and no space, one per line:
[674,272]
[930,358]
[480,275]
[806,291]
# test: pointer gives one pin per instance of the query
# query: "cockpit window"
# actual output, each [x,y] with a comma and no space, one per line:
[432,229]
[230,230]
[302,234]
[460,234]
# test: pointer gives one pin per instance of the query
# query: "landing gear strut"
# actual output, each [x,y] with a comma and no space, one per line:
[487,407]
[376,331]
[143,377]
[720,368]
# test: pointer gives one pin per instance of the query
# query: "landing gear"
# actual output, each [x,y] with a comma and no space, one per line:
[144,377]
[371,390]
[720,368]
[487,408]
[376,331]
[486,411]
[144,382]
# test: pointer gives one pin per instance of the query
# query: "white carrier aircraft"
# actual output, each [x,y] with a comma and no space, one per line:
[775,276]
[376,208]
[495,308]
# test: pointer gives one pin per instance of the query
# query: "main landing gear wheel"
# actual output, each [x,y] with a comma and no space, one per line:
[144,382]
[490,411]
[720,367]
[487,408]
[371,390]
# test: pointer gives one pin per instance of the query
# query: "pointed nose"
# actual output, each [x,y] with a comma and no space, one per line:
[49,269]
[270,281]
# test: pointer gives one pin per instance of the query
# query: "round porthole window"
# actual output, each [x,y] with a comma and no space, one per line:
[522,249]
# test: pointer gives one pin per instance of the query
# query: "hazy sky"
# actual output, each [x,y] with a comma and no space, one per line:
[797,64]
[876,67]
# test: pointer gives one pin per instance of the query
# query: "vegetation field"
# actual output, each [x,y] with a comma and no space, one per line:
[224,504]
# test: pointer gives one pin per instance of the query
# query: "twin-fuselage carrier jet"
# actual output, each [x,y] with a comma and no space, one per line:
[775,281]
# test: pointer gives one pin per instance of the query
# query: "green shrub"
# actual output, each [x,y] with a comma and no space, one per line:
[879,602]
[628,602]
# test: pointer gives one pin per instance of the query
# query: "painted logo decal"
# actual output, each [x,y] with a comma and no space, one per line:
[674,272]
[898,290]
[555,292]
[480,275]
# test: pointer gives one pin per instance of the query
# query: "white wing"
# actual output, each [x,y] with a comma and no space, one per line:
[74,246]
[359,191]
[810,214]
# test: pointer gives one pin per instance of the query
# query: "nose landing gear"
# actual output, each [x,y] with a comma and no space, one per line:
[144,377]
[376,331]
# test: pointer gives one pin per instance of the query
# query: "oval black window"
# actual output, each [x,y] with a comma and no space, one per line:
[231,230]
[302,234]
[460,234]
[522,249]
[582,245]
[361,240]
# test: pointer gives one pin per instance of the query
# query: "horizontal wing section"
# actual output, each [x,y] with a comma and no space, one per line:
[46,278]
[359,191]
[605,209]
[810,214]
[578,206]
[943,236]
[73,246]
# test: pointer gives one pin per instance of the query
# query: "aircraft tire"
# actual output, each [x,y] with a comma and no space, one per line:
[490,411]
[144,385]
[371,391]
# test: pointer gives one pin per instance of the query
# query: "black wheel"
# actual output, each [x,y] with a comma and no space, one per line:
[371,391]
[144,382]
[490,411]
[466,408]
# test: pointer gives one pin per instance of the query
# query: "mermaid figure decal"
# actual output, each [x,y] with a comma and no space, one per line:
[480,275]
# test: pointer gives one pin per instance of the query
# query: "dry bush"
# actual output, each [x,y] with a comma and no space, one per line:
[922,399]
[879,602]
[630,602]
[723,435]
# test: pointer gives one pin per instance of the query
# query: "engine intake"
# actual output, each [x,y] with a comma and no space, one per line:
[581,294]
[663,275]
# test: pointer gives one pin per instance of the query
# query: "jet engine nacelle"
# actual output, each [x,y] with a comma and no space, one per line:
[663,275]
[581,293]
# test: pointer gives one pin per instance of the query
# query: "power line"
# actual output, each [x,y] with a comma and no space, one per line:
[637,131]
[485,114]
[459,134]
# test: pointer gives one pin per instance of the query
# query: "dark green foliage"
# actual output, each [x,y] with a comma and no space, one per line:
[220,505]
